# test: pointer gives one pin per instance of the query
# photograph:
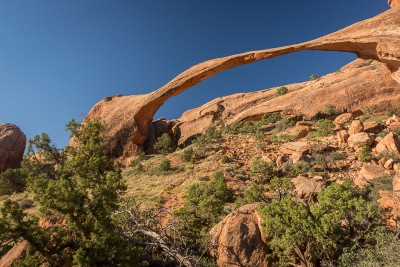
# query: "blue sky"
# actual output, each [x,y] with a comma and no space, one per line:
[59,58]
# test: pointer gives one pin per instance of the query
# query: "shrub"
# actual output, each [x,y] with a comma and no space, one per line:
[164,144]
[281,186]
[343,216]
[281,91]
[269,118]
[12,180]
[262,170]
[364,154]
[225,159]
[393,111]
[187,155]
[314,77]
[337,155]
[26,204]
[255,193]
[204,207]
[323,127]
[165,165]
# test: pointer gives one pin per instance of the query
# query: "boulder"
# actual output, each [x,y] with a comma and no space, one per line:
[372,127]
[356,127]
[343,118]
[12,146]
[15,253]
[394,3]
[360,139]
[389,144]
[369,172]
[394,126]
[389,164]
[238,240]
[392,119]
[299,131]
[307,187]
[342,137]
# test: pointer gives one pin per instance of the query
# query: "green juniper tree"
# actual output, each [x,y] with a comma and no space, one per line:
[80,188]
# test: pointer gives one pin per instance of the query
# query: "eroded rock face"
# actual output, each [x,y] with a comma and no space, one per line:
[394,3]
[128,124]
[238,239]
[12,146]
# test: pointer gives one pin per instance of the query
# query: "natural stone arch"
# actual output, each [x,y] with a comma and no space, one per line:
[376,38]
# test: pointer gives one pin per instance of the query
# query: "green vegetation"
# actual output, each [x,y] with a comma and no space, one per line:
[12,181]
[204,207]
[364,154]
[187,155]
[262,170]
[78,184]
[164,144]
[314,77]
[281,91]
[337,155]
[310,233]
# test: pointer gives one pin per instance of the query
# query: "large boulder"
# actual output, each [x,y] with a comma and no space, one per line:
[360,139]
[369,172]
[356,127]
[343,118]
[238,239]
[389,144]
[12,146]
[306,187]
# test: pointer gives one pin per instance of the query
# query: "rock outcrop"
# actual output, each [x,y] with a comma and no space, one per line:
[129,118]
[12,146]
[238,240]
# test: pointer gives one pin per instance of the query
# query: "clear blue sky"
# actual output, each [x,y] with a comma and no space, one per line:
[59,58]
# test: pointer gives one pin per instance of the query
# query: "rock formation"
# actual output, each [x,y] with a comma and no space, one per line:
[238,239]
[12,146]
[129,118]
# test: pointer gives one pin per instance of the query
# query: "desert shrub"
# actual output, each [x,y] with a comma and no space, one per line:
[323,127]
[164,144]
[263,170]
[314,77]
[298,168]
[204,207]
[383,250]
[281,186]
[393,111]
[269,118]
[280,139]
[364,154]
[281,91]
[139,158]
[320,160]
[26,204]
[12,180]
[225,159]
[187,155]
[165,165]
[337,155]
[309,233]
[255,193]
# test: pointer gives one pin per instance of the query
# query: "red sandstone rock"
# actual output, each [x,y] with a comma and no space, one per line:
[129,118]
[238,239]
[356,127]
[389,144]
[12,146]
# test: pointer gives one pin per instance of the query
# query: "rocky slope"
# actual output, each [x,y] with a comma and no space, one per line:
[376,38]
